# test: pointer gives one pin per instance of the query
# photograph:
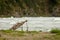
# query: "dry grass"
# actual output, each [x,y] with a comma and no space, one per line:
[18,35]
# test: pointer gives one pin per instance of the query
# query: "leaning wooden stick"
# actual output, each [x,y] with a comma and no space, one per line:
[17,25]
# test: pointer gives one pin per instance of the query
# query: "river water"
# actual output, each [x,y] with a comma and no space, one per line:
[33,23]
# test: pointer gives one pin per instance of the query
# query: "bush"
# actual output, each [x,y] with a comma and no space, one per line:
[55,31]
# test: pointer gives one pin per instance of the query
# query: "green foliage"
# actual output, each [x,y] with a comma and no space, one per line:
[18,33]
[6,31]
[55,31]
[32,32]
[13,33]
[28,7]
[51,5]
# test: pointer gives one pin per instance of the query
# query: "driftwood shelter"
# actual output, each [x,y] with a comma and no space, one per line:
[17,25]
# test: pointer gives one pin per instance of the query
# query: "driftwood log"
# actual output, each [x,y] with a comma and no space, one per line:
[17,25]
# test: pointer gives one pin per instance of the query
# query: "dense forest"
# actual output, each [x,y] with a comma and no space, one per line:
[30,8]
